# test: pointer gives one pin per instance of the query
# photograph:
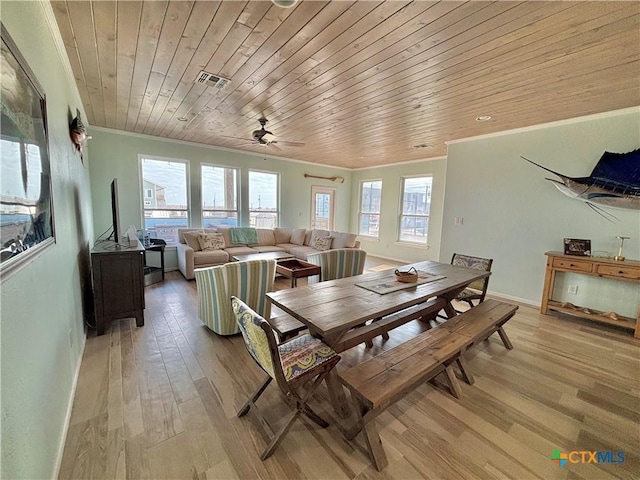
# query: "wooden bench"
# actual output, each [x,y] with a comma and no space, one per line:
[386,378]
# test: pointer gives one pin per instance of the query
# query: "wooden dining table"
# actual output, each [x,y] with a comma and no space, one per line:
[337,311]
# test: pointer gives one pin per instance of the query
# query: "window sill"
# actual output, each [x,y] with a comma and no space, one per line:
[420,246]
[366,238]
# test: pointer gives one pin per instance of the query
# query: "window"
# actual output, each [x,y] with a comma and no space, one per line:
[219,196]
[369,215]
[148,193]
[264,198]
[168,208]
[416,202]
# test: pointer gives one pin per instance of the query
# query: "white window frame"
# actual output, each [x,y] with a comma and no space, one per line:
[144,209]
[361,207]
[235,211]
[402,214]
[254,210]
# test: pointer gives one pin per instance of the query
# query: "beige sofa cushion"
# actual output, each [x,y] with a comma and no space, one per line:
[226,234]
[240,250]
[307,237]
[191,239]
[266,237]
[301,252]
[298,236]
[282,235]
[343,240]
[210,257]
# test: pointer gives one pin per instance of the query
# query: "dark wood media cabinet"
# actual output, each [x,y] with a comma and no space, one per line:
[118,283]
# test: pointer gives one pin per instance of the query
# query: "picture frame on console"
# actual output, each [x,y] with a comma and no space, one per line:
[26,204]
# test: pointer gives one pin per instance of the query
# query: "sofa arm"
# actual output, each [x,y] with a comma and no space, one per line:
[185,260]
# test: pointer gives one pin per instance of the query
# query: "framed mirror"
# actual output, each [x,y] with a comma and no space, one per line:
[26,206]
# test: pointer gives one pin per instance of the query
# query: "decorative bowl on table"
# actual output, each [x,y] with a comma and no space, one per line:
[410,276]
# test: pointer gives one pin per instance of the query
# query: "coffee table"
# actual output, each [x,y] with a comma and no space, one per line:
[262,256]
[295,269]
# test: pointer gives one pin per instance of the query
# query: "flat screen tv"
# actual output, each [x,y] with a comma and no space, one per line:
[115,211]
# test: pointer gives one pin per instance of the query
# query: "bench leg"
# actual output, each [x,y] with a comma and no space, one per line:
[454,386]
[503,336]
[464,370]
[371,435]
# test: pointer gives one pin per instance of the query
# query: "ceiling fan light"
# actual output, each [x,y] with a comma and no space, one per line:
[268,137]
[284,3]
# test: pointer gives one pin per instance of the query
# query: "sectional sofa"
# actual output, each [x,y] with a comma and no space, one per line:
[222,244]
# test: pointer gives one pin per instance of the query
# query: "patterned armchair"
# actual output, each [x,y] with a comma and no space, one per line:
[298,366]
[339,263]
[478,289]
[249,281]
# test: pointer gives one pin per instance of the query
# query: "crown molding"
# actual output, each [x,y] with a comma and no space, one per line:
[559,123]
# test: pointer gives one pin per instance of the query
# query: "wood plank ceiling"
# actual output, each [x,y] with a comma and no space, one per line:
[360,83]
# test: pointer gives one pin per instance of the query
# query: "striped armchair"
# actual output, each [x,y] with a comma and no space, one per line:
[248,281]
[339,263]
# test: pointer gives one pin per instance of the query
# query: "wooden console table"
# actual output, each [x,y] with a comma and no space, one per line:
[627,270]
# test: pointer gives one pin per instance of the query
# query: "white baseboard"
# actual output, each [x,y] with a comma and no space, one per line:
[502,296]
[67,420]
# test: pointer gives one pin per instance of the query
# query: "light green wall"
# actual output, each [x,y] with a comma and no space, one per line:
[41,304]
[512,214]
[387,244]
[115,154]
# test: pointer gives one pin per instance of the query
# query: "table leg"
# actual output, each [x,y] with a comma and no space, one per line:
[336,394]
[449,310]
[294,282]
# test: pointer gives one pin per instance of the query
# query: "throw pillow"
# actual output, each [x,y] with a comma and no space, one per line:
[297,236]
[322,243]
[191,239]
[315,234]
[211,241]
[343,240]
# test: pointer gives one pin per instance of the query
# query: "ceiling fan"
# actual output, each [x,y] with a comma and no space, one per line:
[266,138]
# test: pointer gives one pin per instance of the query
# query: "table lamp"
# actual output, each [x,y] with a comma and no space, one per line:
[619,257]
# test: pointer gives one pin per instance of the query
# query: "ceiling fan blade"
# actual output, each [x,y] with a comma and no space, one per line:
[237,138]
[291,144]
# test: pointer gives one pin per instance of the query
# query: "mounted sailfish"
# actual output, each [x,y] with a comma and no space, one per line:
[614,182]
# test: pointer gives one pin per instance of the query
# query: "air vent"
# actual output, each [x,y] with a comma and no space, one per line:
[211,80]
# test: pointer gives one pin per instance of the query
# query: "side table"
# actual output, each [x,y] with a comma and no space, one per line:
[153,274]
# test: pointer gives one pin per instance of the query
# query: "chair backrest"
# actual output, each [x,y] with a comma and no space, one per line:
[478,263]
[255,332]
[338,263]
[249,281]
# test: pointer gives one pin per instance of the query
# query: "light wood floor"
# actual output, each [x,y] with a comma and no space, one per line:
[159,402]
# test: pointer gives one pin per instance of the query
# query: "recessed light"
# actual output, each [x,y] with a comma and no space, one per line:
[483,118]
[183,119]
[285,3]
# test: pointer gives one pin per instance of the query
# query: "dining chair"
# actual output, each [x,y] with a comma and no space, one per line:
[249,281]
[338,263]
[298,366]
[476,290]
